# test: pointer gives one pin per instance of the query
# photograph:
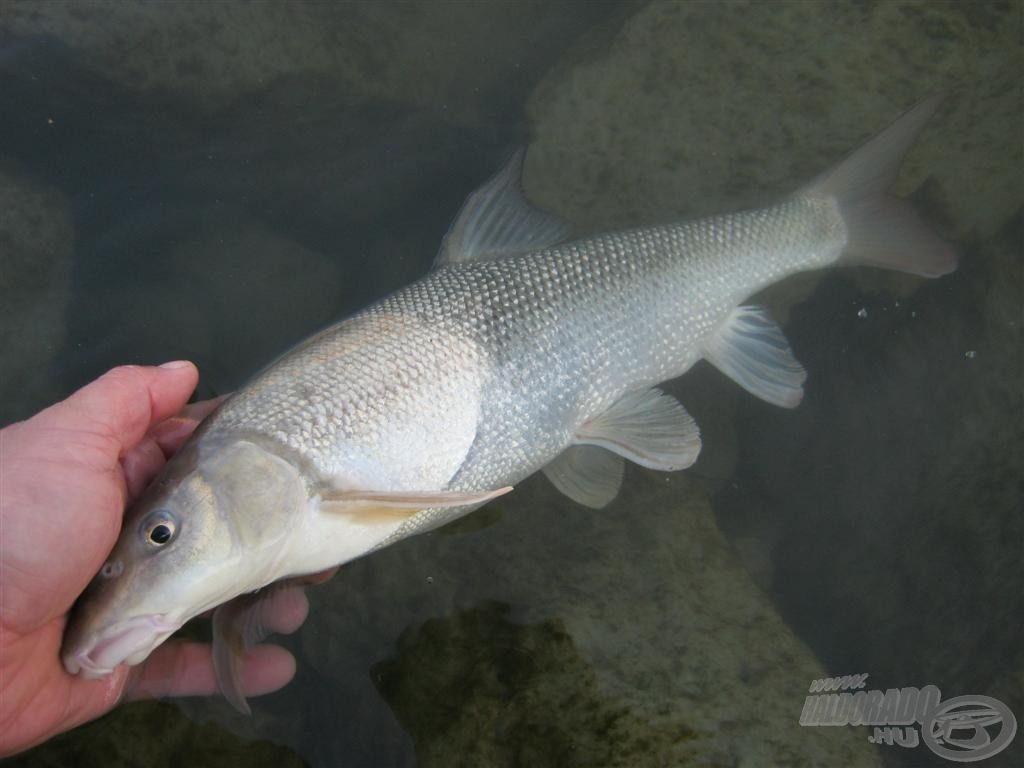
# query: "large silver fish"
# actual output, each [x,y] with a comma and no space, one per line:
[520,351]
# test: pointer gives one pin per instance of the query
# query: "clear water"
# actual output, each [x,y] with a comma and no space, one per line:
[214,182]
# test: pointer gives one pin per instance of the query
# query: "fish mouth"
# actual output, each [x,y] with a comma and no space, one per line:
[127,642]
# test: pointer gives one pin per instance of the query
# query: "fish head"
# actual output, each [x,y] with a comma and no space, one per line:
[214,525]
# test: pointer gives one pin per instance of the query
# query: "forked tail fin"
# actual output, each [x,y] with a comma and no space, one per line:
[884,231]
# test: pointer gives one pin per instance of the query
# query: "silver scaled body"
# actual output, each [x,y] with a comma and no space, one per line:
[480,373]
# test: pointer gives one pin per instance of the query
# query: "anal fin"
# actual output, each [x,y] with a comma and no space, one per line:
[588,475]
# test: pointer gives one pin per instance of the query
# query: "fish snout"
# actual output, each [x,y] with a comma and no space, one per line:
[126,642]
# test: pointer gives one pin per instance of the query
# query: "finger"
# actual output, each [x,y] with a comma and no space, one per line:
[179,668]
[125,402]
[83,700]
[196,412]
[286,609]
[141,465]
[142,462]
[321,577]
[171,433]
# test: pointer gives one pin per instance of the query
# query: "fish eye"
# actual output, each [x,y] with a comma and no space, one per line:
[161,533]
[160,530]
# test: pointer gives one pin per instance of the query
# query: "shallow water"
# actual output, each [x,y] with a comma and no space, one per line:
[215,182]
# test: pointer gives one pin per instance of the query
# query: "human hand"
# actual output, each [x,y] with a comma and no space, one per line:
[66,476]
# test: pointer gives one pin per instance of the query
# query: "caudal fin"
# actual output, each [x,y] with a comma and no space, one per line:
[884,231]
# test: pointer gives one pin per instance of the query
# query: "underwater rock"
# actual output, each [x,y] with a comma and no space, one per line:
[689,110]
[900,509]
[338,179]
[297,194]
[226,293]
[211,54]
[686,110]
[644,128]
[36,238]
[893,493]
[260,292]
[565,636]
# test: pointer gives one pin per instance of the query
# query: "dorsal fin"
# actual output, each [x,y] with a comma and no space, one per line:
[496,220]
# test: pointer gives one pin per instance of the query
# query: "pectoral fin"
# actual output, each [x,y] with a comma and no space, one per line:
[238,625]
[751,350]
[228,647]
[588,475]
[381,506]
[245,621]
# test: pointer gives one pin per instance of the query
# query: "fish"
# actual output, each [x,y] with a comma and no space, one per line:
[522,350]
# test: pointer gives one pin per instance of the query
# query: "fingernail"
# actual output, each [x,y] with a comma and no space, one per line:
[174,364]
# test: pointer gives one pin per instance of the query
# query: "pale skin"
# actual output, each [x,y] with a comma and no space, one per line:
[66,476]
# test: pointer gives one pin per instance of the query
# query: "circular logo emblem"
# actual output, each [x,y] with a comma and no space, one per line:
[969,728]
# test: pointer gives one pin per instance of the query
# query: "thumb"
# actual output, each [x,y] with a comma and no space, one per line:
[124,402]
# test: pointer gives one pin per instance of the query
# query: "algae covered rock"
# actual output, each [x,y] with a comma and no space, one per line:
[558,635]
[478,688]
[154,735]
